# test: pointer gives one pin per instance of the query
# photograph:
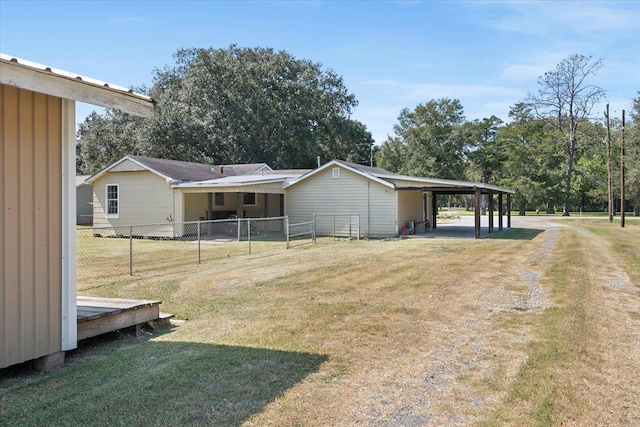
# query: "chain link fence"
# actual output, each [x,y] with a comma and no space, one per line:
[104,252]
[338,225]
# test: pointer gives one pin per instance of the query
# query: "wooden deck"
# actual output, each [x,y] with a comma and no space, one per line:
[98,316]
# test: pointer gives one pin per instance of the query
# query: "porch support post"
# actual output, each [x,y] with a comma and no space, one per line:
[477,212]
[209,206]
[240,205]
[500,211]
[434,210]
[509,210]
[265,208]
[490,196]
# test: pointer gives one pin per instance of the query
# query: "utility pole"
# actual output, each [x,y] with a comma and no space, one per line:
[622,174]
[609,177]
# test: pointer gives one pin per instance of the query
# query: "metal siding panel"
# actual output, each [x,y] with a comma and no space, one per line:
[41,218]
[10,328]
[3,270]
[54,148]
[31,225]
[28,332]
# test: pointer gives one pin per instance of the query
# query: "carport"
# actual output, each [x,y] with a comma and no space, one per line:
[432,188]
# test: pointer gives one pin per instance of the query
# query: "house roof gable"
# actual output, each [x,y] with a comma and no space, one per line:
[353,167]
[170,170]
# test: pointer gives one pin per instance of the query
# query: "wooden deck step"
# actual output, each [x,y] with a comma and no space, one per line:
[98,316]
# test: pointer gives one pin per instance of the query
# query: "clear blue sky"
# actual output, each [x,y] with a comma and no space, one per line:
[391,55]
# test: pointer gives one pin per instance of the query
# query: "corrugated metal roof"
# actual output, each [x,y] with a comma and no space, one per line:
[64,84]
[243,169]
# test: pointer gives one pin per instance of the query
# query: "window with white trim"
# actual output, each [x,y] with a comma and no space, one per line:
[335,173]
[249,199]
[112,192]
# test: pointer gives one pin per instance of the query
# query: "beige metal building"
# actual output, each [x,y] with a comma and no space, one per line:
[38,204]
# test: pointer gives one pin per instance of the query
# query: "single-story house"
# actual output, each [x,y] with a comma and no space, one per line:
[84,201]
[139,190]
[38,313]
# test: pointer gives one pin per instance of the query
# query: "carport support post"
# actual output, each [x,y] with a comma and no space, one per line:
[434,211]
[500,210]
[490,196]
[477,212]
[508,210]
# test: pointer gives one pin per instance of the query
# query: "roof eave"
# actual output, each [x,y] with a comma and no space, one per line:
[42,79]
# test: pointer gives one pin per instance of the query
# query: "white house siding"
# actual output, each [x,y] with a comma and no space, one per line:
[195,206]
[127,166]
[144,198]
[351,193]
[410,206]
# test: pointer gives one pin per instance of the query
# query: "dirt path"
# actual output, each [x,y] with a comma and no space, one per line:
[469,338]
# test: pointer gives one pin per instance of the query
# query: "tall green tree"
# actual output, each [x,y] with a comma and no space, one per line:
[530,160]
[106,138]
[632,157]
[566,98]
[589,186]
[480,149]
[238,105]
[427,141]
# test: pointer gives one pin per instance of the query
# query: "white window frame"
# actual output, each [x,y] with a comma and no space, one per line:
[106,200]
[335,173]
[255,200]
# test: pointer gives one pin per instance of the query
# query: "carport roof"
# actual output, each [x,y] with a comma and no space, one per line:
[404,182]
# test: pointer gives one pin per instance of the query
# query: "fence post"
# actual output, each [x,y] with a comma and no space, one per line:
[238,222]
[199,259]
[131,250]
[286,225]
[334,228]
[313,231]
[249,234]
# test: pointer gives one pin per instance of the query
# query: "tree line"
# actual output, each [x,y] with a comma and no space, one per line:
[552,151]
[245,105]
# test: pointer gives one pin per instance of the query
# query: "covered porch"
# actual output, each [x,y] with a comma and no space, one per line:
[233,197]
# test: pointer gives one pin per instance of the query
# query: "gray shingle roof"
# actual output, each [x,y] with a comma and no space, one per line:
[179,170]
[367,169]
